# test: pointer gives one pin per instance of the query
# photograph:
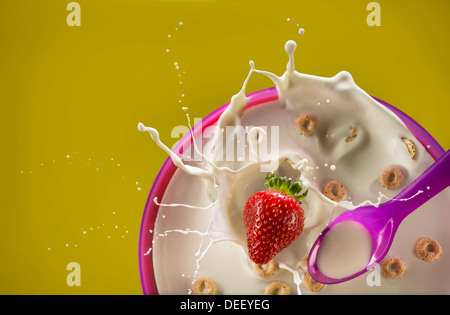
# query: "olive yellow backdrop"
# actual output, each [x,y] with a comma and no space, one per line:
[75,170]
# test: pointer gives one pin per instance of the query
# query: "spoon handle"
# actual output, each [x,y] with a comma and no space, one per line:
[435,179]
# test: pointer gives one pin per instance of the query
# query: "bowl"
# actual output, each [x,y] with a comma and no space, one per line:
[148,283]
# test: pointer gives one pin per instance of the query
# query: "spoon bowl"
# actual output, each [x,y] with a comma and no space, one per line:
[381,223]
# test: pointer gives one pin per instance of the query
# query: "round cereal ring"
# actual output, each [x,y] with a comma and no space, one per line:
[305,261]
[204,286]
[393,268]
[334,190]
[277,288]
[311,284]
[307,124]
[411,147]
[353,134]
[428,249]
[392,177]
[266,270]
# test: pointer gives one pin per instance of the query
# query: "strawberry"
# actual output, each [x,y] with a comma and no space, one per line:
[273,219]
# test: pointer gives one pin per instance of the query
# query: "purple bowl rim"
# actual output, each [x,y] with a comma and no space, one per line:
[255,98]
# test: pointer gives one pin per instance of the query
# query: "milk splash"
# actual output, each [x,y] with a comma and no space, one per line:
[229,183]
[218,169]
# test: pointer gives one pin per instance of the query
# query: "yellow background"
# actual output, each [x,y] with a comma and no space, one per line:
[72,159]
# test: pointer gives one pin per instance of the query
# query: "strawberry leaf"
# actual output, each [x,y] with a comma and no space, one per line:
[285,186]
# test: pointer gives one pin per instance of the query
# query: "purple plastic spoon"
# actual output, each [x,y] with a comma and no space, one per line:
[382,222]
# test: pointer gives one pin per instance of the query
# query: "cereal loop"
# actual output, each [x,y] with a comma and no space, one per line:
[352,136]
[428,249]
[393,268]
[307,124]
[204,286]
[410,147]
[266,270]
[392,177]
[334,190]
[277,288]
[311,284]
[305,261]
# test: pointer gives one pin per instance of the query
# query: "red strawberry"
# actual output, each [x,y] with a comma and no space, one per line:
[273,219]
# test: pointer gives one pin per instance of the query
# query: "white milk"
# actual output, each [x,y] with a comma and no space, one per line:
[345,250]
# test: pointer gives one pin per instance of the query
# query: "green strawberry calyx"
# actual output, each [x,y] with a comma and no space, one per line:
[285,186]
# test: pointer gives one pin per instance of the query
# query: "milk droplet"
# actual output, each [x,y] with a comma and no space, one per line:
[290,46]
[301,31]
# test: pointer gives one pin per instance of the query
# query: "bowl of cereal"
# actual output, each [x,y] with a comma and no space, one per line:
[315,131]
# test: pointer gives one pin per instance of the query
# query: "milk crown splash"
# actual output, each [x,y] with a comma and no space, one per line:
[230,117]
[227,183]
[217,169]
